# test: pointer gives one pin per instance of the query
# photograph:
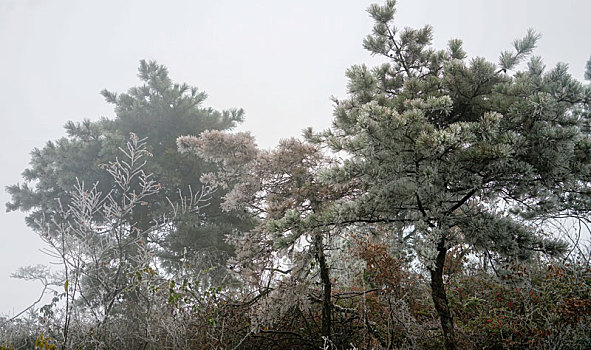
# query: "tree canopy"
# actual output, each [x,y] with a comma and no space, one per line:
[430,200]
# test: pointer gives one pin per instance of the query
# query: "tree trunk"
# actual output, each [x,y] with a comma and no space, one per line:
[440,298]
[326,288]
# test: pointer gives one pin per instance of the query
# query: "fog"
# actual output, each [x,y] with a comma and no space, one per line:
[280,61]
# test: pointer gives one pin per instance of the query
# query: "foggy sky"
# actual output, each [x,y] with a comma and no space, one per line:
[279,60]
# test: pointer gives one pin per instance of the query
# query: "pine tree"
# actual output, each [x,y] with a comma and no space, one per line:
[160,111]
[454,151]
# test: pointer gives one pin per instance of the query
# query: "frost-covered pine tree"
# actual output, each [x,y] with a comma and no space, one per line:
[457,151]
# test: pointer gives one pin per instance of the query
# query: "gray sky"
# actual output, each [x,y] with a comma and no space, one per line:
[279,60]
